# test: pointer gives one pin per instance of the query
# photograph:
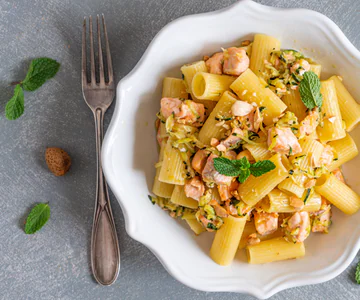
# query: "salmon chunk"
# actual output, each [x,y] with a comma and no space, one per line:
[266,223]
[185,112]
[194,188]
[199,160]
[215,63]
[209,173]
[236,61]
[283,141]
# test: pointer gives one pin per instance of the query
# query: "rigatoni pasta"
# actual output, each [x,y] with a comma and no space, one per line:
[223,107]
[174,87]
[280,202]
[294,104]
[338,193]
[249,88]
[332,128]
[262,48]
[172,168]
[226,241]
[253,190]
[345,150]
[274,250]
[162,189]
[349,108]
[251,145]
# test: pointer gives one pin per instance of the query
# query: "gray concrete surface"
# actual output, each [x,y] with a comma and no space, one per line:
[54,263]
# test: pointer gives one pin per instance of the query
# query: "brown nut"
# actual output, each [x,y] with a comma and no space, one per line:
[57,160]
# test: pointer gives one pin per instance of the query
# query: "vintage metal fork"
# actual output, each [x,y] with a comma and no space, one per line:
[98,95]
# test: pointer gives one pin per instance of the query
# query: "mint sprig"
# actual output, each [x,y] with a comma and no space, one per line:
[310,90]
[15,106]
[357,273]
[242,168]
[37,218]
[40,70]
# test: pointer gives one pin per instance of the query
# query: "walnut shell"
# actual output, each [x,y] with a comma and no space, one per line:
[57,160]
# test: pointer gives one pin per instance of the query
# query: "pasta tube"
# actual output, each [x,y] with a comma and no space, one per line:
[208,86]
[345,150]
[178,197]
[262,47]
[316,69]
[174,88]
[278,201]
[294,104]
[258,151]
[349,108]
[162,189]
[338,193]
[195,226]
[256,188]
[332,128]
[226,241]
[210,130]
[274,250]
[172,168]
[250,88]
[189,72]
[289,186]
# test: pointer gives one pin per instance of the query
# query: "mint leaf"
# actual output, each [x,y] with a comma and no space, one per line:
[242,163]
[15,106]
[357,273]
[310,90]
[226,166]
[37,218]
[41,69]
[261,167]
[244,174]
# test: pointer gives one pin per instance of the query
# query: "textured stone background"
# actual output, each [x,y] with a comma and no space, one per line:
[54,263]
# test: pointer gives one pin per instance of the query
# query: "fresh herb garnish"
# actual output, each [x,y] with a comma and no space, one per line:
[357,273]
[37,218]
[290,150]
[15,106]
[242,168]
[40,70]
[310,90]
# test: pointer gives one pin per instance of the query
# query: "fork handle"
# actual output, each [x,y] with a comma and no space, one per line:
[105,252]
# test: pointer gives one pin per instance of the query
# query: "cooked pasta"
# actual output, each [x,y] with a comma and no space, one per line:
[345,150]
[338,193]
[332,128]
[262,47]
[251,145]
[280,202]
[174,87]
[349,108]
[294,104]
[226,241]
[207,86]
[210,129]
[250,88]
[253,190]
[274,250]
[162,189]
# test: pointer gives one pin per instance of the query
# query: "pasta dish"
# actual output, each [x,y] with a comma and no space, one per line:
[251,145]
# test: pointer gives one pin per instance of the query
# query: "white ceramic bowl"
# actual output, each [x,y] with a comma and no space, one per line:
[130,149]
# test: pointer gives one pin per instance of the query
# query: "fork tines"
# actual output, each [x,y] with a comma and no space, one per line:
[99,75]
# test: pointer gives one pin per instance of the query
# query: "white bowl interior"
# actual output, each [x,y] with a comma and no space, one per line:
[130,150]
